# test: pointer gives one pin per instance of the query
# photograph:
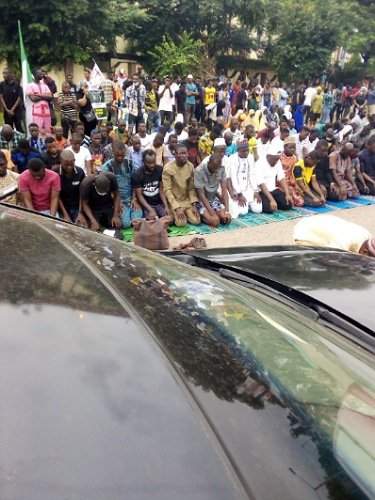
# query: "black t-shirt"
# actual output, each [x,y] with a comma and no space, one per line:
[97,202]
[367,161]
[69,194]
[150,182]
[323,173]
[51,161]
[10,92]
[87,107]
[180,97]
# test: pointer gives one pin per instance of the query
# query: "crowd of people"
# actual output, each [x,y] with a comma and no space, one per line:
[195,151]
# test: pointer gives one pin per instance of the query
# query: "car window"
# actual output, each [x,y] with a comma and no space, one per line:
[255,364]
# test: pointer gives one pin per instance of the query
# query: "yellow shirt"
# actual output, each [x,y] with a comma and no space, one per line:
[317,104]
[209,95]
[206,144]
[252,144]
[303,173]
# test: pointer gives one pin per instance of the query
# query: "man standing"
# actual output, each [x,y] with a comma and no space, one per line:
[191,95]
[270,173]
[151,106]
[166,101]
[310,93]
[178,182]
[135,97]
[209,178]
[40,188]
[11,98]
[70,179]
[67,102]
[242,182]
[107,87]
[147,184]
[40,96]
[121,168]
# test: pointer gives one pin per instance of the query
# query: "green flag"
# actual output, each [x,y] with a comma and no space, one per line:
[27,76]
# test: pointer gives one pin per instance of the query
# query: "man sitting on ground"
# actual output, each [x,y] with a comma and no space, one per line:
[100,201]
[367,160]
[8,181]
[122,168]
[82,156]
[70,179]
[308,186]
[147,184]
[242,182]
[178,182]
[340,164]
[270,173]
[22,155]
[40,188]
[208,178]
[52,155]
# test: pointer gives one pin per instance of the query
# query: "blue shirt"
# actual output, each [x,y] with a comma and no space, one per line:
[191,87]
[231,150]
[123,175]
[37,144]
[21,159]
[136,158]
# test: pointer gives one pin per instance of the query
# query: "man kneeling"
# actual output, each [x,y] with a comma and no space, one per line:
[208,177]
[178,183]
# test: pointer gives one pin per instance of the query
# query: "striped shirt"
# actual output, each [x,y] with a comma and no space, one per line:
[68,106]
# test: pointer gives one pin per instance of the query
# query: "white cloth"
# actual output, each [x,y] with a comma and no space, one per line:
[330,231]
[81,157]
[310,92]
[174,88]
[243,175]
[146,141]
[269,175]
[300,146]
[278,143]
[262,149]
[310,146]
[166,102]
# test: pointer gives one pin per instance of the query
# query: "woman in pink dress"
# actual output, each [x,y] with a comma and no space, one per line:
[40,97]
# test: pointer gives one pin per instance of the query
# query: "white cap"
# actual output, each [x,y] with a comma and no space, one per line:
[274,149]
[219,142]
[190,76]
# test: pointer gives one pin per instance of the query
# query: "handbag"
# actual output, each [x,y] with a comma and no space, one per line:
[89,116]
[152,234]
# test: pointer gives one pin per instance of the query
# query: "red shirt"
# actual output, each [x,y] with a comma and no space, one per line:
[40,190]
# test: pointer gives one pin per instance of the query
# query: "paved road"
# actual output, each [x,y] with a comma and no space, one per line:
[279,233]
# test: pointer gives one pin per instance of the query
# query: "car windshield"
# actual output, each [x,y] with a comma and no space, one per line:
[285,394]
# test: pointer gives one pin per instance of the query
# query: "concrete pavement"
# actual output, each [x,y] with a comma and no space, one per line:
[278,233]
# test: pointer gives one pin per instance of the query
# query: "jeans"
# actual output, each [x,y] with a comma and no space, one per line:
[128,215]
[153,121]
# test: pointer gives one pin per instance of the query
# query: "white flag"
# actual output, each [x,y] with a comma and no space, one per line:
[96,77]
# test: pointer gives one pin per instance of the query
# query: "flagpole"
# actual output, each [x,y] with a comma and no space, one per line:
[26,75]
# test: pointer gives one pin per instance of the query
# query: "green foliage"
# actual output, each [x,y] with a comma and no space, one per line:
[176,58]
[223,26]
[55,31]
[303,37]
[361,31]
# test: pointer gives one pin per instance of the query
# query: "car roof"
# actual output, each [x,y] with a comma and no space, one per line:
[91,407]
[342,280]
[117,383]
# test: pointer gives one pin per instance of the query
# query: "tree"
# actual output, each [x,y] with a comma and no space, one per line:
[177,58]
[302,38]
[362,29]
[223,26]
[56,30]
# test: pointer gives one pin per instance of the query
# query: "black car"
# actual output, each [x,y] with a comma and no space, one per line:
[126,374]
